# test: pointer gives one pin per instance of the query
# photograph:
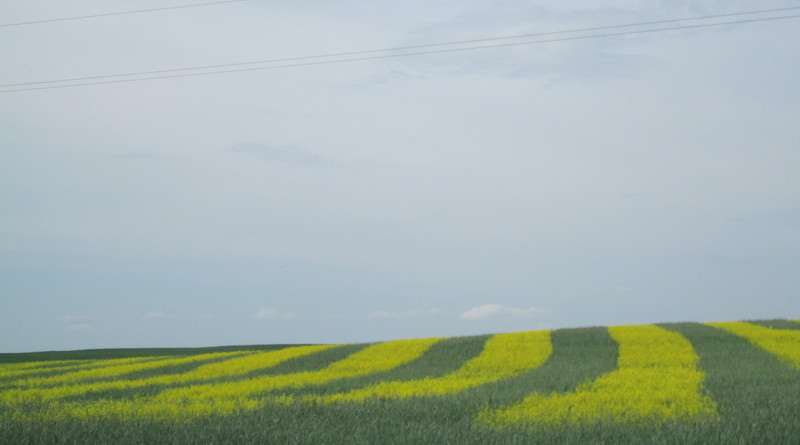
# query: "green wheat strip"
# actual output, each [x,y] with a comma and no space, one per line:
[503,356]
[656,380]
[75,373]
[242,395]
[783,343]
[226,368]
[20,370]
[115,371]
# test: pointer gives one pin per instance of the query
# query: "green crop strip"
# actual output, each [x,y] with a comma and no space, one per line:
[503,356]
[235,365]
[777,324]
[111,354]
[307,363]
[65,374]
[231,397]
[442,358]
[657,380]
[758,395]
[781,342]
[22,370]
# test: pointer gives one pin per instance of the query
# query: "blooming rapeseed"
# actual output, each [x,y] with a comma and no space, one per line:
[119,369]
[503,356]
[27,378]
[230,367]
[784,343]
[228,397]
[656,380]
[16,370]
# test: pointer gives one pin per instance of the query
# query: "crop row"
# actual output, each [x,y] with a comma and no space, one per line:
[657,379]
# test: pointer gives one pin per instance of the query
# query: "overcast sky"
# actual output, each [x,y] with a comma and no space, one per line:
[642,178]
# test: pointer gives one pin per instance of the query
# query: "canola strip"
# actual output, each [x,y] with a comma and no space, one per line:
[783,343]
[656,380]
[227,368]
[27,378]
[17,370]
[44,364]
[230,397]
[503,356]
[122,369]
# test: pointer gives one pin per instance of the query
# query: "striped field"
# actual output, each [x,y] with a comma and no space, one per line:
[733,382]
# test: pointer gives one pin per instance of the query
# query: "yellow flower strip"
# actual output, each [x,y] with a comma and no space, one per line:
[32,368]
[240,365]
[27,379]
[784,343]
[229,397]
[4,367]
[230,367]
[375,358]
[656,380]
[122,369]
[503,356]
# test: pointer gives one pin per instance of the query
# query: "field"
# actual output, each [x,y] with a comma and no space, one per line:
[725,383]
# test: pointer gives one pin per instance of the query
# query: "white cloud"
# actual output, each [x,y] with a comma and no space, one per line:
[403,315]
[497,311]
[70,318]
[379,315]
[288,154]
[265,313]
[80,327]
[155,315]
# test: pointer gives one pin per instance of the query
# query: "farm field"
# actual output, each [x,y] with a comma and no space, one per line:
[677,383]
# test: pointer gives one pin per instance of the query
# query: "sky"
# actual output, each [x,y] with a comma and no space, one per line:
[641,178]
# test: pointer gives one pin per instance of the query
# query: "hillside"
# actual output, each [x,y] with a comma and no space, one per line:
[728,382]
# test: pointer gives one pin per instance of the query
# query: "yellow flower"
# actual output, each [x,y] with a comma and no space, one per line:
[656,380]
[231,367]
[503,356]
[118,368]
[226,397]
[784,343]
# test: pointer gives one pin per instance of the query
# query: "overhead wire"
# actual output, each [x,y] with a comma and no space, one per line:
[138,11]
[398,48]
[96,80]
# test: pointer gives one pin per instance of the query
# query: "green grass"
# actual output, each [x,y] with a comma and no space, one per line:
[758,397]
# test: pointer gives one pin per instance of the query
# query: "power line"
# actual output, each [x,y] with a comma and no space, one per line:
[376,57]
[138,11]
[399,48]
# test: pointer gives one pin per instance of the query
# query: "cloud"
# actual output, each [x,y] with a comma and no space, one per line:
[404,315]
[155,315]
[265,313]
[139,156]
[69,318]
[499,311]
[287,154]
[81,327]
